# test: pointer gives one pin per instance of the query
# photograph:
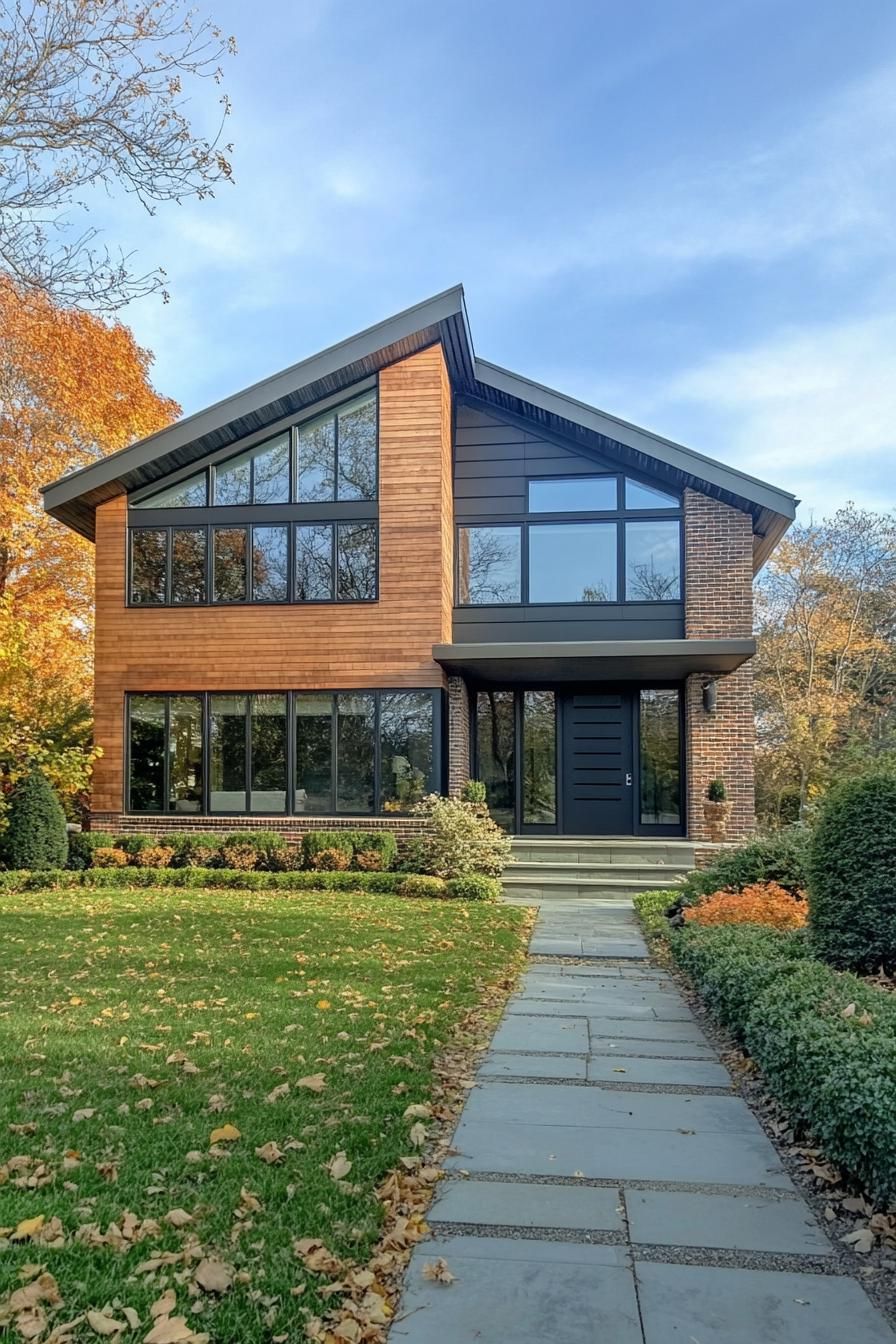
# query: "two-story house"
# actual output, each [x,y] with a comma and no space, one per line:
[395,566]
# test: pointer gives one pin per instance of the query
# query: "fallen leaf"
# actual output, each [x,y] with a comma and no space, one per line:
[169,1330]
[278,1093]
[339,1166]
[225,1134]
[418,1134]
[101,1324]
[437,1271]
[861,1240]
[214,1276]
[164,1305]
[270,1152]
[418,1111]
[27,1228]
[178,1218]
[315,1082]
[86,1114]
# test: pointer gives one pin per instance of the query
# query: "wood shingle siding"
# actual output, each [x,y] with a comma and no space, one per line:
[327,646]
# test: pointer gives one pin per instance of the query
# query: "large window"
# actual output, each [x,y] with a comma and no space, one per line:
[572,562]
[354,753]
[489,565]
[164,753]
[539,759]
[336,455]
[331,562]
[623,545]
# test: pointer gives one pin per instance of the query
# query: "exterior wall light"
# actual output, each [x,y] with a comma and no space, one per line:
[710,696]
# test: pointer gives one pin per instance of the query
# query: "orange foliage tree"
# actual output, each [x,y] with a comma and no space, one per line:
[72,388]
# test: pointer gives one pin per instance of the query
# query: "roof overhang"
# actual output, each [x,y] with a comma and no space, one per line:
[75,498]
[593,660]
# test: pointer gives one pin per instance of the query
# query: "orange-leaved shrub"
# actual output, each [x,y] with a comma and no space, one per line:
[760,903]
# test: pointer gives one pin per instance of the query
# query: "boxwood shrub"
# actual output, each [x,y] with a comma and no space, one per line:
[651,907]
[81,845]
[196,878]
[824,1040]
[474,887]
[852,875]
[782,857]
[35,833]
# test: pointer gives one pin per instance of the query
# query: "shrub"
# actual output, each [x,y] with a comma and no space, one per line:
[110,858]
[417,885]
[381,843]
[331,861]
[155,856]
[197,879]
[473,791]
[35,835]
[759,903]
[194,849]
[852,875]
[651,908]
[134,845]
[781,857]
[460,839]
[474,887]
[716,791]
[314,841]
[824,1040]
[267,846]
[732,963]
[82,844]
[236,854]
[367,861]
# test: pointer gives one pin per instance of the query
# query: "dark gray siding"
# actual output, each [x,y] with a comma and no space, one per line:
[492,461]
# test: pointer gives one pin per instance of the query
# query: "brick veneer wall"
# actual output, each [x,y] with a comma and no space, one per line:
[458,735]
[719,605]
[291,828]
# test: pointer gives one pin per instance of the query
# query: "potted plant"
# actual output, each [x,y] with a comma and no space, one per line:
[716,809]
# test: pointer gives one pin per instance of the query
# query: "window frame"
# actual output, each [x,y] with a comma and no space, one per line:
[439,747]
[617,517]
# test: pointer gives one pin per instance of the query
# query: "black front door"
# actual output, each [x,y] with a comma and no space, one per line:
[597,767]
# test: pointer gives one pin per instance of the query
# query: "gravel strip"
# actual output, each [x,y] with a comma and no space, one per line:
[607,1085]
[613,1183]
[597,1236]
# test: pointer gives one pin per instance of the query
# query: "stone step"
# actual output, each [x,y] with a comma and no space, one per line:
[605,851]
[574,888]
[670,873]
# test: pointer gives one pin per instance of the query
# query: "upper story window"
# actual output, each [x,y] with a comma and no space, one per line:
[623,544]
[319,545]
[331,458]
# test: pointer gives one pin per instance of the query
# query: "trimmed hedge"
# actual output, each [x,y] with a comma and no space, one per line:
[825,1040]
[782,858]
[81,846]
[852,875]
[474,887]
[195,878]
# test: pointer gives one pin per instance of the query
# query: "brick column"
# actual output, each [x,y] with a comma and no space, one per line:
[458,735]
[719,605]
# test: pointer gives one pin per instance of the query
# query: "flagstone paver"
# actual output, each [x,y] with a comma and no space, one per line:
[607,1185]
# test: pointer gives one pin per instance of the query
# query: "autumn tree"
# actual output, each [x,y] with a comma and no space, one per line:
[825,670]
[94,98]
[72,387]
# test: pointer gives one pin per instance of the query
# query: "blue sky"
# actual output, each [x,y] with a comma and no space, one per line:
[684,213]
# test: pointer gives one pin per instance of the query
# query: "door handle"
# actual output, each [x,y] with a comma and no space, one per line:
[628,780]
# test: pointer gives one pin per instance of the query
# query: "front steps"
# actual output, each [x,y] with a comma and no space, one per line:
[610,869]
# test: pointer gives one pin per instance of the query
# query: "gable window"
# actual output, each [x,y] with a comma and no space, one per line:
[623,544]
[259,476]
[578,494]
[336,455]
[189,494]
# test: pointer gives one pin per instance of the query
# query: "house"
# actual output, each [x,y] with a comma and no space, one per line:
[394,566]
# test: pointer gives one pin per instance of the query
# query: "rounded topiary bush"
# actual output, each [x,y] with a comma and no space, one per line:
[852,875]
[36,837]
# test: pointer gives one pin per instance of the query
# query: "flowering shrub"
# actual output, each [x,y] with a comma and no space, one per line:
[759,903]
[459,839]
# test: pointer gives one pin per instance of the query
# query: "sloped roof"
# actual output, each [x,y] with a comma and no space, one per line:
[74,498]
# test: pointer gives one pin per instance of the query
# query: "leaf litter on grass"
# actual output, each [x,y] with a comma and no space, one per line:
[315,1107]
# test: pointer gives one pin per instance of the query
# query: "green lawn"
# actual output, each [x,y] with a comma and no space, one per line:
[133,1025]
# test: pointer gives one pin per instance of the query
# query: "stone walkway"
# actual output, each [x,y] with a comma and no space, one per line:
[608,1187]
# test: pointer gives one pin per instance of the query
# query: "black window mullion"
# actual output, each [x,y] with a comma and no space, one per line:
[621,578]
[166,769]
[167,601]
[290,753]
[377,696]
[247,710]
[334,553]
[334,751]
[524,561]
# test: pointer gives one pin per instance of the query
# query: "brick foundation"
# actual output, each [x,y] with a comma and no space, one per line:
[458,735]
[719,605]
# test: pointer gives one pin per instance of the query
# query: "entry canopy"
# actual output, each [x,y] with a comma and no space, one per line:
[593,660]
